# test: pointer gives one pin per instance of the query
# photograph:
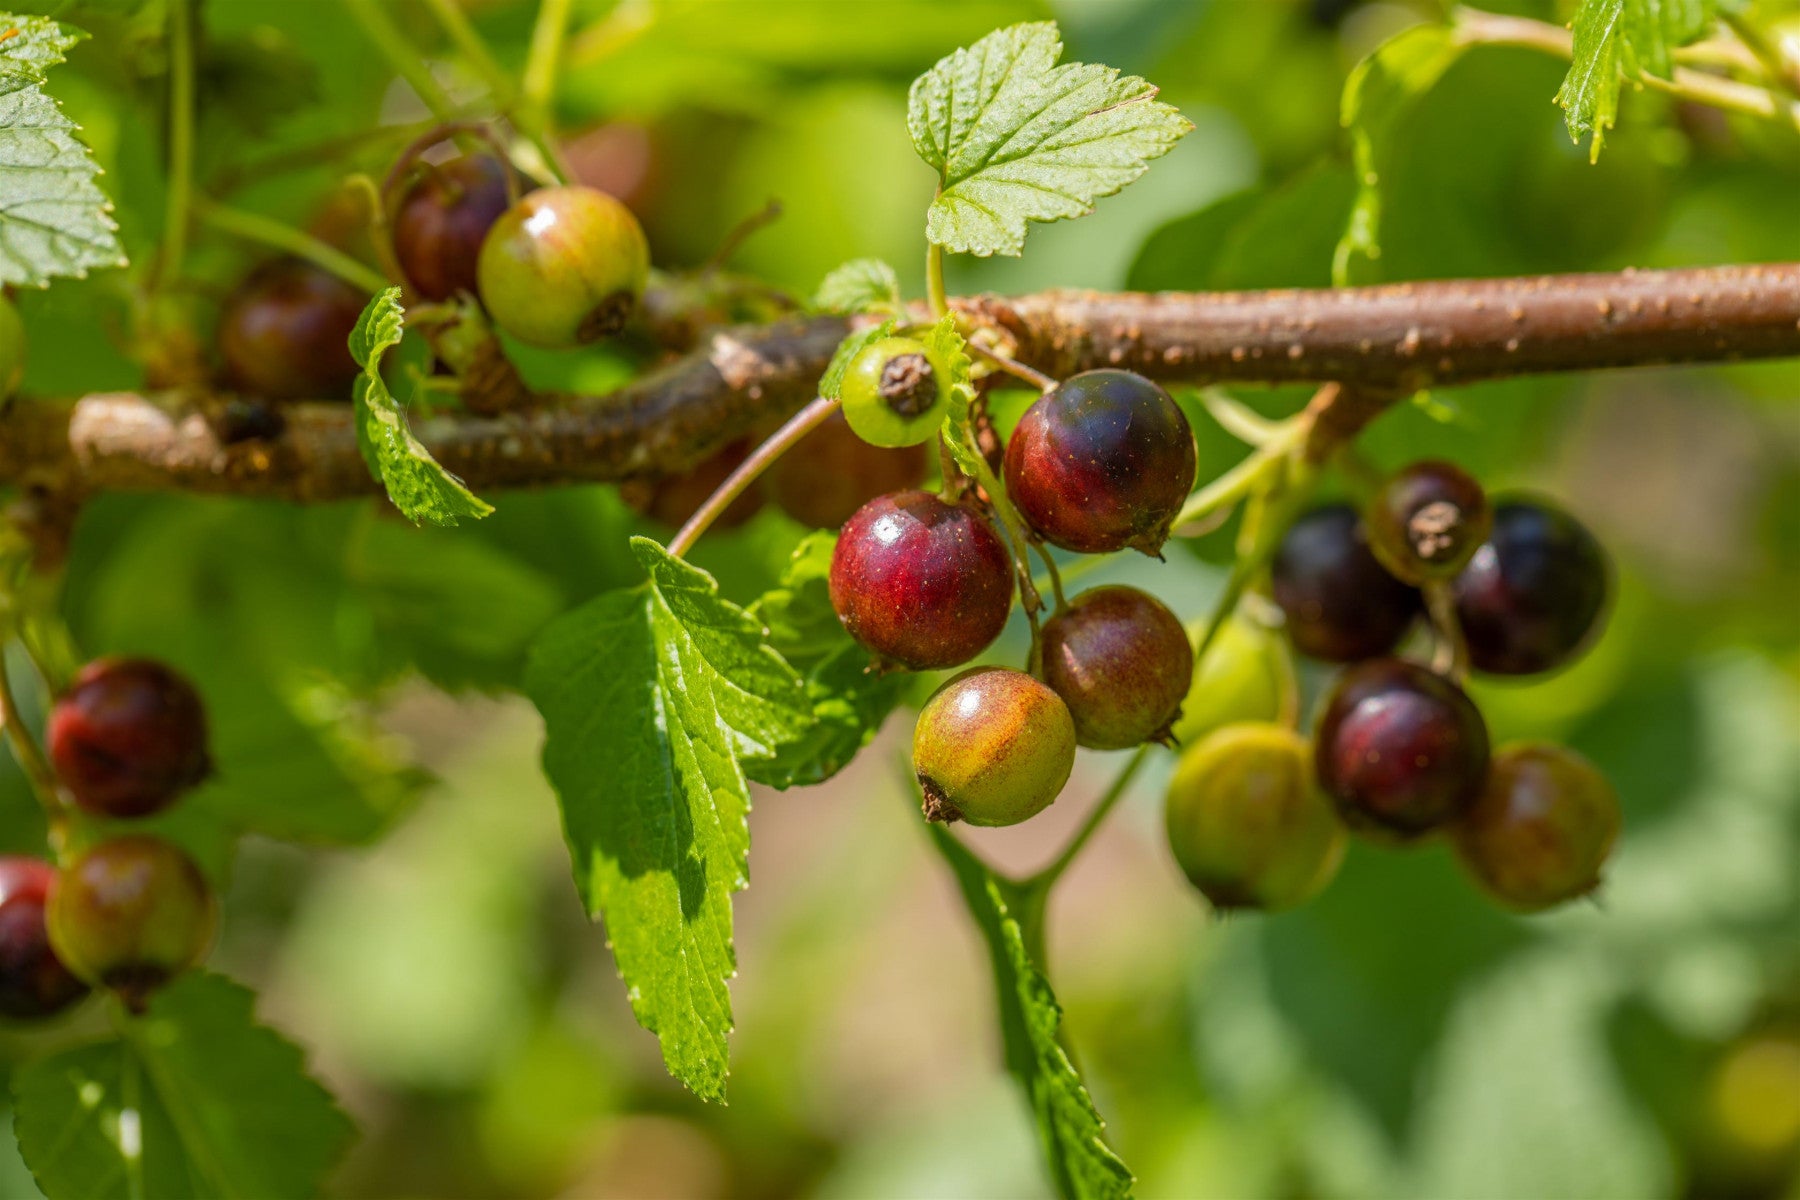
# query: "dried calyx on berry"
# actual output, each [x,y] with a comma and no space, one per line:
[1427,520]
[993,746]
[894,392]
[128,737]
[1122,663]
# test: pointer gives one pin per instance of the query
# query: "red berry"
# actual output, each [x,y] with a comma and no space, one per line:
[1427,520]
[1541,828]
[1400,749]
[128,737]
[1122,662]
[131,913]
[33,981]
[831,472]
[921,582]
[1102,461]
[1532,597]
[992,747]
[442,219]
[285,333]
[672,499]
[1341,605]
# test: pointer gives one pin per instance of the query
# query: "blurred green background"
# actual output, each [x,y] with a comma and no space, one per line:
[1397,1038]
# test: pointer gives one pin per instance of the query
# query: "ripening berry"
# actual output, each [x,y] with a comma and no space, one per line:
[1531,599]
[285,333]
[12,349]
[993,746]
[1102,461]
[131,913]
[1427,520]
[563,267]
[1400,749]
[1248,823]
[894,392]
[1541,828]
[1121,661]
[128,737]
[442,219]
[34,983]
[1341,604]
[831,472]
[1247,674]
[921,582]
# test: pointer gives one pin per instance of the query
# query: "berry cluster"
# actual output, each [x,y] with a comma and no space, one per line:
[129,911]
[1399,751]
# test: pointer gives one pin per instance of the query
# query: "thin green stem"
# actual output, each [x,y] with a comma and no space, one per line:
[1238,419]
[181,143]
[1055,576]
[544,59]
[934,280]
[1046,878]
[760,460]
[1245,477]
[255,227]
[401,55]
[469,41]
[1781,71]
[1452,657]
[1015,368]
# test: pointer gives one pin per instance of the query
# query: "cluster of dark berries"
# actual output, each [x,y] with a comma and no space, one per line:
[1101,462]
[1399,751]
[130,911]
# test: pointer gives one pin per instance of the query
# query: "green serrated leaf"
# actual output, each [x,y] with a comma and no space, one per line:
[1069,1129]
[55,221]
[863,285]
[1617,39]
[653,699]
[194,1099]
[1378,92]
[832,381]
[947,347]
[1015,138]
[417,485]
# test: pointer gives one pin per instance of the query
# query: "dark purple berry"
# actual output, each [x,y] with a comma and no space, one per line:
[34,983]
[128,737]
[1427,520]
[1541,828]
[1122,662]
[442,219]
[285,333]
[1532,597]
[1341,604]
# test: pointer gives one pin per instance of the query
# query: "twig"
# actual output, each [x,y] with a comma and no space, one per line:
[759,460]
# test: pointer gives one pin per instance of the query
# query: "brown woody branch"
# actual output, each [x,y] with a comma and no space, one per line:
[1380,341]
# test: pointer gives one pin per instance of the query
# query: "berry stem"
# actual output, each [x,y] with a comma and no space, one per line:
[1014,367]
[1239,419]
[1055,576]
[254,227]
[740,233]
[1451,658]
[1045,879]
[759,460]
[934,279]
[401,55]
[181,144]
[538,84]
[1780,70]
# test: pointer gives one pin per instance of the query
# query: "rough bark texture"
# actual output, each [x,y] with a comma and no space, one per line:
[1379,342]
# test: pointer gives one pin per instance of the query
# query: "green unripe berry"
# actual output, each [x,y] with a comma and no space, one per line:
[1247,674]
[131,913]
[1247,821]
[894,392]
[563,267]
[12,349]
[993,746]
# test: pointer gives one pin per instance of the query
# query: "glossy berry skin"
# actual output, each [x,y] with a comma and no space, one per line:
[1248,824]
[831,472]
[1427,520]
[921,582]
[1101,462]
[1341,604]
[284,333]
[672,499]
[1531,599]
[442,219]
[894,392]
[12,349]
[1121,661]
[993,746]
[1399,749]
[1247,674]
[128,737]
[563,267]
[131,913]
[1541,829]
[33,982]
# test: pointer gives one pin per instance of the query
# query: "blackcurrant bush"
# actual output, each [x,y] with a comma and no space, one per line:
[1541,827]
[284,333]
[831,472]
[1532,597]
[12,349]
[131,913]
[993,746]
[1427,520]
[1247,674]
[1400,749]
[921,582]
[563,267]
[1100,462]
[672,499]
[1341,604]
[33,981]
[1122,662]
[1247,821]
[128,737]
[441,220]
[894,392]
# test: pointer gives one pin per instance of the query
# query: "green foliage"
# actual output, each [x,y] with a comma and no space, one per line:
[1016,138]
[653,699]
[192,1099]
[54,219]
[417,485]
[946,345]
[859,286]
[1623,39]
